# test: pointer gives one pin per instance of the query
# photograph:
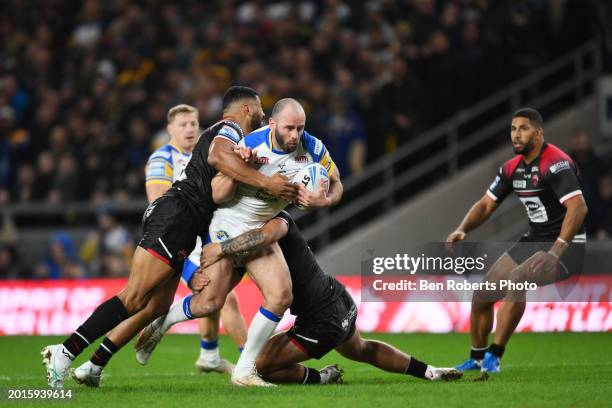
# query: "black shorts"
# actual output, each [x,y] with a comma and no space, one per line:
[319,334]
[571,261]
[169,230]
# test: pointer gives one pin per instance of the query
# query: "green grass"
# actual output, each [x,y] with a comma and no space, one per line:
[539,370]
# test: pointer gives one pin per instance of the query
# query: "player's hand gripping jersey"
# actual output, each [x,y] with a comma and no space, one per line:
[251,207]
[542,186]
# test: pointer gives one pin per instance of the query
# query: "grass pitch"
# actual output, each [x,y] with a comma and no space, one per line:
[538,370]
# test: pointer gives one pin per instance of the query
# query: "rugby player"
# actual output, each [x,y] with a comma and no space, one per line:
[163,168]
[325,311]
[285,147]
[545,180]
[171,225]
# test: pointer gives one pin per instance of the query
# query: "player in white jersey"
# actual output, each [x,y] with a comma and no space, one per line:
[282,147]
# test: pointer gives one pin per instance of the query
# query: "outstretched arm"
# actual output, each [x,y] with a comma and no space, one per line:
[475,217]
[251,240]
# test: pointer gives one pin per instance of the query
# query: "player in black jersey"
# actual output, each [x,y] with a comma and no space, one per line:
[171,225]
[326,315]
[545,180]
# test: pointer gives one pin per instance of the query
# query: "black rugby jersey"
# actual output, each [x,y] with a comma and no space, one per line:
[313,289]
[542,186]
[193,185]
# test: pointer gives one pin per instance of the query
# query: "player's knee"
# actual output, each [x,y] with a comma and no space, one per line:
[280,301]
[207,307]
[133,302]
[231,302]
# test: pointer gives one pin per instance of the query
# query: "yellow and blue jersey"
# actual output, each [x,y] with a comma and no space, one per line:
[165,165]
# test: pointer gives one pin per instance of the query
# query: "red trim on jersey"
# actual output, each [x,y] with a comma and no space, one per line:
[527,194]
[158,256]
[298,345]
[550,155]
[511,165]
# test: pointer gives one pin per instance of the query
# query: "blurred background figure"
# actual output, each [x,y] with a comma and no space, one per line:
[61,261]
[108,250]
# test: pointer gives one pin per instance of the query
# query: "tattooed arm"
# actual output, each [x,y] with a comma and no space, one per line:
[251,240]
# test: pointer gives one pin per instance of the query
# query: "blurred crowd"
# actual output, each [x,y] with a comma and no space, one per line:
[596,178]
[85,86]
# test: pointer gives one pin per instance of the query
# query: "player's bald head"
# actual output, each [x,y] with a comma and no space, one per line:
[287,105]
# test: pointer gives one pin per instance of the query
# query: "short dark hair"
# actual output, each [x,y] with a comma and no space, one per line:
[236,93]
[533,115]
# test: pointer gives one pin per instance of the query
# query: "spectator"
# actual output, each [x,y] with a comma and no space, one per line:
[10,265]
[108,250]
[61,261]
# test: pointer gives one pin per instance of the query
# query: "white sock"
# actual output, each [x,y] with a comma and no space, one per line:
[260,330]
[430,374]
[212,357]
[209,352]
[177,313]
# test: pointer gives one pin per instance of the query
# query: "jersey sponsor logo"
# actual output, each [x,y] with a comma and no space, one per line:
[263,195]
[318,147]
[301,159]
[520,170]
[148,211]
[230,133]
[534,180]
[519,183]
[536,211]
[282,165]
[534,168]
[157,171]
[557,167]
[222,235]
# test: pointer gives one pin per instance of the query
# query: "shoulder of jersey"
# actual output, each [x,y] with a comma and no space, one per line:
[554,160]
[510,166]
[163,153]
[313,146]
[230,132]
[257,137]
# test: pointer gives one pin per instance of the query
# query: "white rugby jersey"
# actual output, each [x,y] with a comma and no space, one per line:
[165,165]
[252,206]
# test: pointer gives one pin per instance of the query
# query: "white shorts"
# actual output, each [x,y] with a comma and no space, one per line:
[223,228]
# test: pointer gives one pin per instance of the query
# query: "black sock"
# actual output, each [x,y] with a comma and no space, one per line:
[104,352]
[496,350]
[478,353]
[106,316]
[416,368]
[311,376]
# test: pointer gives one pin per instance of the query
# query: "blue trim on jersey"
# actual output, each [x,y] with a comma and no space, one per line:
[257,137]
[310,143]
[189,268]
[269,315]
[186,308]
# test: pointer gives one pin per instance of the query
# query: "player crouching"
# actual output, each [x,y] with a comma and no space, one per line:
[326,316]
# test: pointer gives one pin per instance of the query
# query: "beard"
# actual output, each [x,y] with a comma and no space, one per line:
[283,146]
[525,149]
[256,122]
